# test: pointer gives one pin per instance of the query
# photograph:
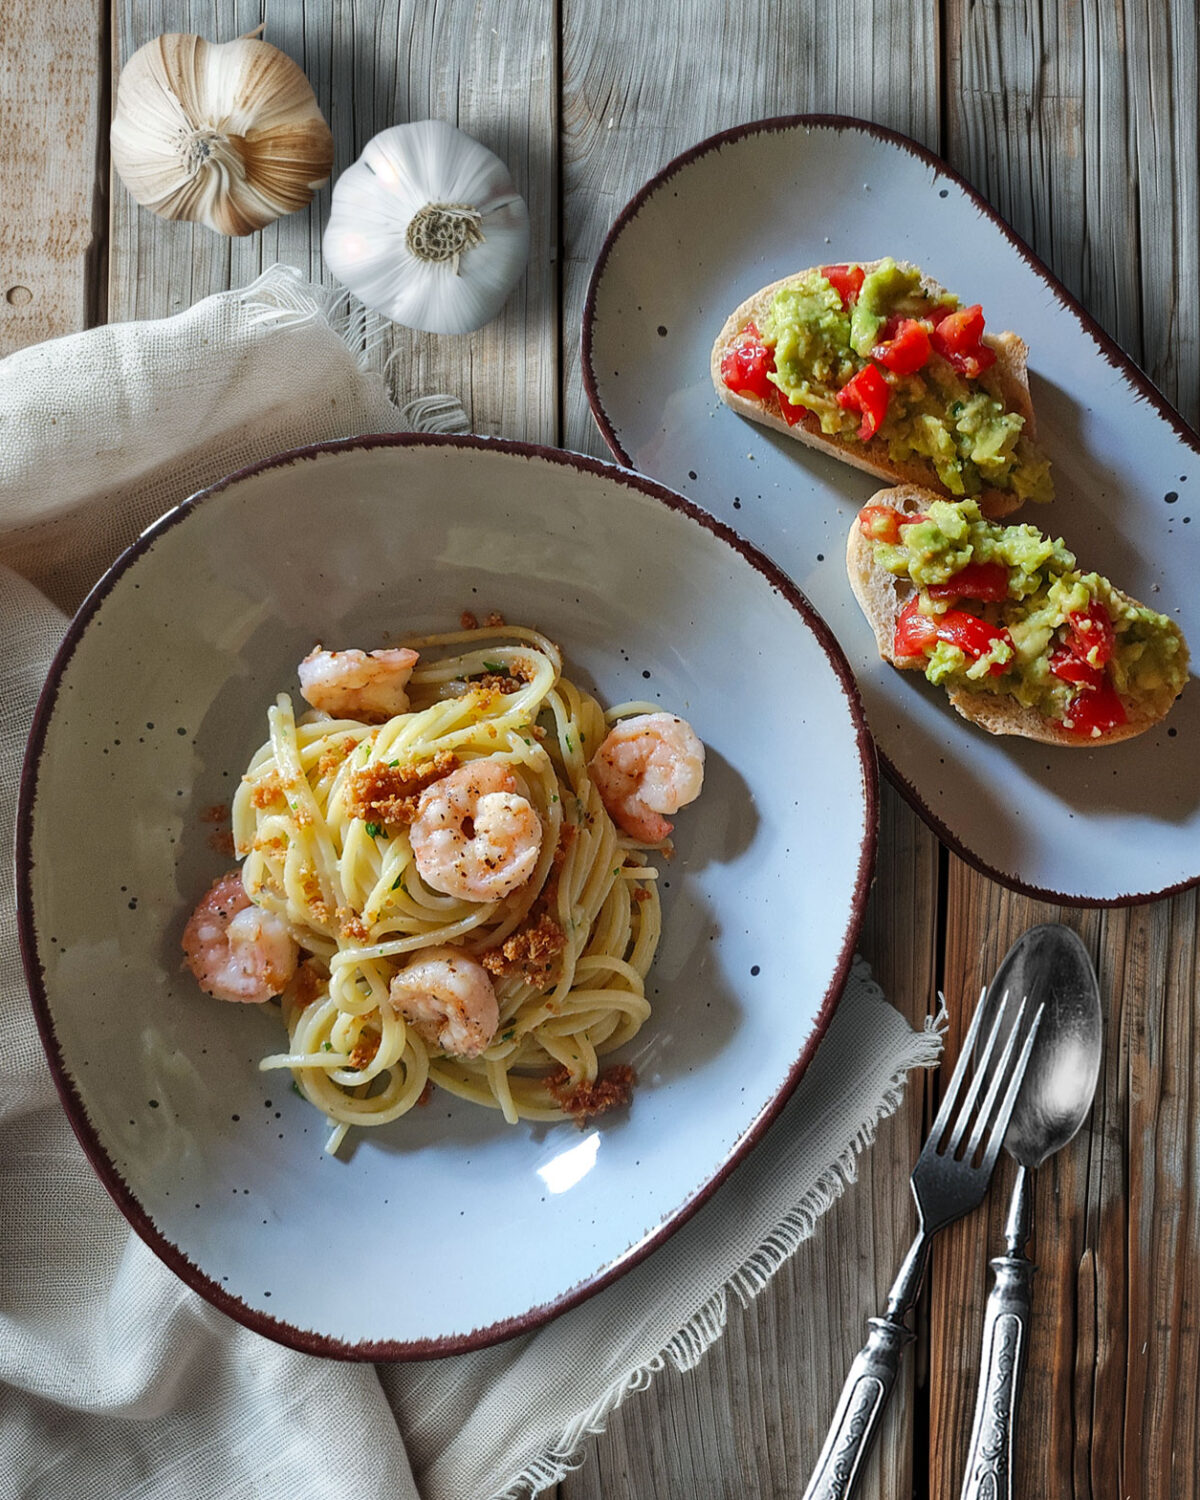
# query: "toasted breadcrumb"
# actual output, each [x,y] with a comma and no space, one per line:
[352,925]
[267,791]
[389,794]
[221,839]
[612,1090]
[498,682]
[333,755]
[217,813]
[532,951]
[364,1050]
[467,621]
[493,618]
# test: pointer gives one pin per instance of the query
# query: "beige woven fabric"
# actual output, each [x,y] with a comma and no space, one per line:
[115,1378]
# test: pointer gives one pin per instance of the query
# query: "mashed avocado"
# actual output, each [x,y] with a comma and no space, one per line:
[1148,664]
[960,425]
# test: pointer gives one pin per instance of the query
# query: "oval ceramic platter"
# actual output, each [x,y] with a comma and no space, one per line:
[152,710]
[1089,827]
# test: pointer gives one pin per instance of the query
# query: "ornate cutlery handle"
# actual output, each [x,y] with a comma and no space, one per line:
[989,1472]
[859,1409]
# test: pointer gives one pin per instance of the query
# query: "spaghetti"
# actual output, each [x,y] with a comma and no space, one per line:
[327,818]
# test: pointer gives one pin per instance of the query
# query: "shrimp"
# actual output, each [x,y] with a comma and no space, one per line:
[448,1000]
[474,835]
[354,685]
[646,766]
[236,950]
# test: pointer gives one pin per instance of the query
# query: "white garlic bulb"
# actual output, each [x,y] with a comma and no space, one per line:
[428,228]
[228,133]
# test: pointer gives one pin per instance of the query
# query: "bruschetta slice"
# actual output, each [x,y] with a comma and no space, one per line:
[1001,617]
[878,365]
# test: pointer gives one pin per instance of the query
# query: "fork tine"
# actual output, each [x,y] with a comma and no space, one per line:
[983,1073]
[949,1098]
[987,1109]
[1000,1129]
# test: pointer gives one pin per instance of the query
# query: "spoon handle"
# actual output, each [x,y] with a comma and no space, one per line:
[989,1471]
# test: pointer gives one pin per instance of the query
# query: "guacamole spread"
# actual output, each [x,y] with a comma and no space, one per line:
[877,360]
[1004,609]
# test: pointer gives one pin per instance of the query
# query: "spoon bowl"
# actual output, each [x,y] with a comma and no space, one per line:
[1049,965]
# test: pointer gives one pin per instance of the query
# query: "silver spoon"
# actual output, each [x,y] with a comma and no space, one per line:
[1050,965]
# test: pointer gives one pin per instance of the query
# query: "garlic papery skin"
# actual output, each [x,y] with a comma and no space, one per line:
[428,229]
[226,133]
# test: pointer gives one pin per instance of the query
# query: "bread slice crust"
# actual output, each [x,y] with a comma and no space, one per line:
[1010,372]
[882,597]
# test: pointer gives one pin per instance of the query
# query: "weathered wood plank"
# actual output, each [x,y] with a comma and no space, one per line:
[490,69]
[1071,120]
[52,93]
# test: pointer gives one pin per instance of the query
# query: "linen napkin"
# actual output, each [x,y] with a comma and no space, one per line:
[117,1379]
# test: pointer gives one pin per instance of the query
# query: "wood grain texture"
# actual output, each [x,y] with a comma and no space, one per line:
[1070,119]
[52,94]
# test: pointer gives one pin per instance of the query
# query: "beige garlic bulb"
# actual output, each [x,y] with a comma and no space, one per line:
[225,133]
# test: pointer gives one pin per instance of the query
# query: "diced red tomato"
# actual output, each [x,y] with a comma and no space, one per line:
[958,338]
[882,523]
[846,281]
[985,581]
[916,634]
[905,349]
[1091,635]
[867,392]
[746,364]
[1094,712]
[1071,668]
[791,412]
[973,636]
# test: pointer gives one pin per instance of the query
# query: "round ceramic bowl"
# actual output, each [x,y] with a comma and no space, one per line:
[152,709]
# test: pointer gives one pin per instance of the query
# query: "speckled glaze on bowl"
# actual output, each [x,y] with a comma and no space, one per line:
[759,202]
[152,709]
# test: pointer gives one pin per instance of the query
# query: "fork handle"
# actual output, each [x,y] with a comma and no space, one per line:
[859,1410]
[989,1471]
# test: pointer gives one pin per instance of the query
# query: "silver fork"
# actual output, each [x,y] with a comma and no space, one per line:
[947,1182]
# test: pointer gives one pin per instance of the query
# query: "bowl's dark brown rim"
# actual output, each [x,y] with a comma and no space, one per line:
[306,1340]
[1111,351]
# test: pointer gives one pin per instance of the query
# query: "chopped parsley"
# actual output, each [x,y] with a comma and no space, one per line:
[376,830]
[398,884]
[495,666]
[326,1046]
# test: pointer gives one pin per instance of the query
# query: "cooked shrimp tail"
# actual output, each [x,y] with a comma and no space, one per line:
[448,1000]
[236,950]
[647,766]
[356,685]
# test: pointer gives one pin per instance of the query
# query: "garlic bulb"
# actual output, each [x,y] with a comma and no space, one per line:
[227,133]
[428,229]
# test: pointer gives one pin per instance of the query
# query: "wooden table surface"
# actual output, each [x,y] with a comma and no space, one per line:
[1077,120]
